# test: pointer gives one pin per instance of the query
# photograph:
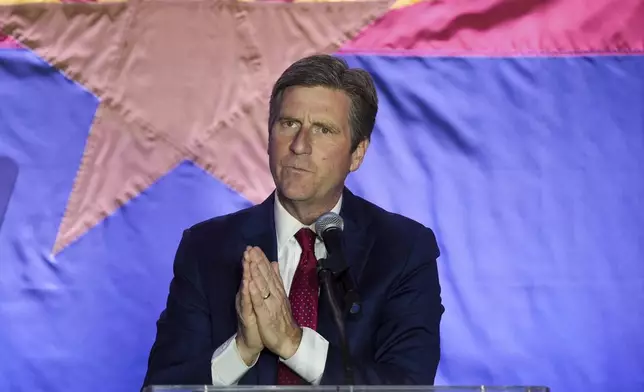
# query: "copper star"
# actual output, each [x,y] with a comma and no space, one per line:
[177,80]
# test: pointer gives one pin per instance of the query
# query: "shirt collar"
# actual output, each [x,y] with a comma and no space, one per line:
[286,225]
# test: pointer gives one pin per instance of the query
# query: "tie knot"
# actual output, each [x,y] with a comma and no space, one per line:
[306,238]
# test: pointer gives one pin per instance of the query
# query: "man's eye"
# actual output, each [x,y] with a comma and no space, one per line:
[289,123]
[324,130]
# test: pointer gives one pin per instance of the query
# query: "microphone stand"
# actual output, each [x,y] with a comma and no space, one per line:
[327,279]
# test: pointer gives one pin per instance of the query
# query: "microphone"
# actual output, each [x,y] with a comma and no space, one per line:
[329,227]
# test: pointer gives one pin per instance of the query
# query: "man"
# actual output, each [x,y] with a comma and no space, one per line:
[244,304]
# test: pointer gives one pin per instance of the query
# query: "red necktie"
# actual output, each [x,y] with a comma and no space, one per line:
[303,297]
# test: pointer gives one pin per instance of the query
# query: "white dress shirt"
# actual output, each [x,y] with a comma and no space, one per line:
[227,366]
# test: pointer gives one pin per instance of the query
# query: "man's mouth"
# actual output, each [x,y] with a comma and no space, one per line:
[294,168]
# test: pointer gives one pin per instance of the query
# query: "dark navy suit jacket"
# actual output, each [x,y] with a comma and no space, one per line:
[393,340]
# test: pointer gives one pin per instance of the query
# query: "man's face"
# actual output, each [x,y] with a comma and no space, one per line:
[310,144]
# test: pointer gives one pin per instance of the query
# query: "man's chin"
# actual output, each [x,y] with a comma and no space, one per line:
[295,194]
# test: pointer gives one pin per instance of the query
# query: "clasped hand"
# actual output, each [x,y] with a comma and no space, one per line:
[263,310]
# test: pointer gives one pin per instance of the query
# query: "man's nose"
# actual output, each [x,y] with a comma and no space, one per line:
[301,143]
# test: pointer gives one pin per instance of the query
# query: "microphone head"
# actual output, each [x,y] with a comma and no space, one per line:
[327,221]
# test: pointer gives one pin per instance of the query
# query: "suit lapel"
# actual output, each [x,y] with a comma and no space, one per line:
[356,244]
[259,229]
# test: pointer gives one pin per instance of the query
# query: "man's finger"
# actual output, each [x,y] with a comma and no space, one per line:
[246,270]
[278,277]
[257,255]
[257,258]
[247,302]
[264,270]
[246,276]
[259,278]
[276,269]
[247,255]
[272,280]
[257,297]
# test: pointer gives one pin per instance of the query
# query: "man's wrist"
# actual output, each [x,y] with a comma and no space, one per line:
[309,361]
[247,355]
[292,344]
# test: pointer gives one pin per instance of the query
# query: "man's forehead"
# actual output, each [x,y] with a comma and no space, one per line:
[315,100]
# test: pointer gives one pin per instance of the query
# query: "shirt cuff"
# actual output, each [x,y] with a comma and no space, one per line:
[310,358]
[227,367]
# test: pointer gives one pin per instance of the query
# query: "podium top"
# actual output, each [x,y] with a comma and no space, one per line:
[343,388]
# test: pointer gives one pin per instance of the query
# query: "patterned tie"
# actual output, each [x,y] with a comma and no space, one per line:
[303,297]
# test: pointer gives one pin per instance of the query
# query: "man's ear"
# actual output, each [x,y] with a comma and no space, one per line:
[357,156]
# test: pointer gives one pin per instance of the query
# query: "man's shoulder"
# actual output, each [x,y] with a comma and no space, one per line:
[222,224]
[389,219]
[397,227]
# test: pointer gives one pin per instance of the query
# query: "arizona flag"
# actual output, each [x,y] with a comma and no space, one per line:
[514,129]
